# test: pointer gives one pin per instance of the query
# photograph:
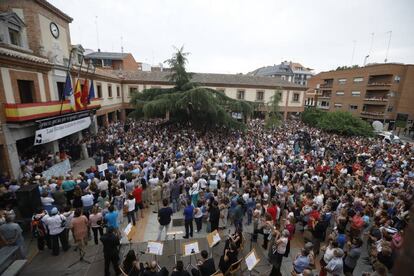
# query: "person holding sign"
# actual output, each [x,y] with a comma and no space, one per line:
[206,265]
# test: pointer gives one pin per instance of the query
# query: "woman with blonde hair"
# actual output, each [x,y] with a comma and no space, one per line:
[95,222]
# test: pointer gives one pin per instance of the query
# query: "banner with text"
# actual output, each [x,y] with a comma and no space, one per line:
[60,169]
[53,133]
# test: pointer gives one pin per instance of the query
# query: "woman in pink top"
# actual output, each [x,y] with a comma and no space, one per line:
[95,222]
[80,228]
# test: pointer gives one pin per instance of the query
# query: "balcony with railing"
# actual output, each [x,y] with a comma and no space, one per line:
[379,81]
[369,110]
[376,100]
[372,114]
[327,84]
[35,111]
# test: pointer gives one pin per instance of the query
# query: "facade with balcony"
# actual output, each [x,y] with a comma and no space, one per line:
[374,92]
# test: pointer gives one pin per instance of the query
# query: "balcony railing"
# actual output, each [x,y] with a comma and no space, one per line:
[374,114]
[326,85]
[34,111]
[376,99]
[323,107]
[375,83]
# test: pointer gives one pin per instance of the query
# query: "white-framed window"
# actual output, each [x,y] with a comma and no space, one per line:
[358,79]
[295,97]
[341,81]
[340,93]
[99,90]
[353,107]
[356,93]
[259,95]
[118,91]
[11,29]
[109,90]
[337,105]
[240,94]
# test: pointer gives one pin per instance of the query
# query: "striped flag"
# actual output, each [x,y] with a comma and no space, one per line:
[68,92]
[78,96]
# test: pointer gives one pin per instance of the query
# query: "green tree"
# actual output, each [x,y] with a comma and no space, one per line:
[311,116]
[188,102]
[179,74]
[272,107]
[340,122]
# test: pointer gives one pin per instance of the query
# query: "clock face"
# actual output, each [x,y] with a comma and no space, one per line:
[54,30]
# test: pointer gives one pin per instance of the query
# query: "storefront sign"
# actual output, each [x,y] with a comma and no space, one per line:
[62,119]
[56,132]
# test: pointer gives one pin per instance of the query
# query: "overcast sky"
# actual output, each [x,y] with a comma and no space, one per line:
[238,36]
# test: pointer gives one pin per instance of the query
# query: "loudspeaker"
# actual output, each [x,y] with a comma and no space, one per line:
[28,199]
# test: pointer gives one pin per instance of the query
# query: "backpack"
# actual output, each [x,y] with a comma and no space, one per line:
[38,230]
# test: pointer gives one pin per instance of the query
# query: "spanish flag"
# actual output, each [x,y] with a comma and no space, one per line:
[85,93]
[78,96]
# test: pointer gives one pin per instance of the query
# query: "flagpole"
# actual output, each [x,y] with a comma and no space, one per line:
[62,96]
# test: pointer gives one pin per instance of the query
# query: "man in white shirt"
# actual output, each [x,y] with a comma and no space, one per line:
[87,202]
[56,224]
[103,184]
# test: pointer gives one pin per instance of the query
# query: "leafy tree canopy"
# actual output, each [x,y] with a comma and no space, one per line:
[340,122]
[188,102]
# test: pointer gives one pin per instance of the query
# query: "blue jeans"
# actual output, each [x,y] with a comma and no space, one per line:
[175,205]
[131,217]
[249,216]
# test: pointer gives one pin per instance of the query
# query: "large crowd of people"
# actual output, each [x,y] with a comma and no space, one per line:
[337,193]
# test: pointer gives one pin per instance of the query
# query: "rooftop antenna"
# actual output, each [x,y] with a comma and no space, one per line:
[372,43]
[365,59]
[122,44]
[97,32]
[353,52]
[388,47]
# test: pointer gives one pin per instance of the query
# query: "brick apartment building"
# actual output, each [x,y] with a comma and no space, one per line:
[35,49]
[112,61]
[383,92]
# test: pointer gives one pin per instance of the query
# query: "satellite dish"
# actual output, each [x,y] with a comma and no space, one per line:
[378,126]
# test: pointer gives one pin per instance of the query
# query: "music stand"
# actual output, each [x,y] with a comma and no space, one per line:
[174,234]
[130,231]
[252,259]
[213,239]
[155,248]
[190,249]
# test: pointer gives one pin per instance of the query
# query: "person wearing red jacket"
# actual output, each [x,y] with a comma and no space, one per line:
[272,210]
[137,193]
